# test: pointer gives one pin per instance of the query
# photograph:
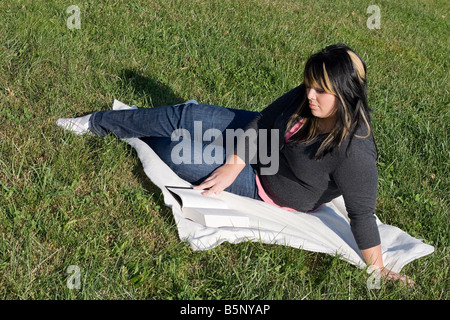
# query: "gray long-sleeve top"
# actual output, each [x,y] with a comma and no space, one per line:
[304,183]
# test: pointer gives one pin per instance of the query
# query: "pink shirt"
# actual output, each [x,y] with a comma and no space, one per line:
[261,191]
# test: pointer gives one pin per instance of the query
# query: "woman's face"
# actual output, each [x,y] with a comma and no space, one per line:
[323,105]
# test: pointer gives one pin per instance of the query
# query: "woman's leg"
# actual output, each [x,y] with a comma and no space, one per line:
[163,121]
[192,159]
[195,173]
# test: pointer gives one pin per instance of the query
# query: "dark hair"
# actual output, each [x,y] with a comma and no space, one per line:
[338,70]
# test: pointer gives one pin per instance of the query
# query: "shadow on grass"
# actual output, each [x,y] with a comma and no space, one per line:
[145,87]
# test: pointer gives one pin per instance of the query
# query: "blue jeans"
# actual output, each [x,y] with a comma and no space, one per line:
[156,125]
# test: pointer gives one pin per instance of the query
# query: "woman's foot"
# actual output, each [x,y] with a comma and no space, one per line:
[80,125]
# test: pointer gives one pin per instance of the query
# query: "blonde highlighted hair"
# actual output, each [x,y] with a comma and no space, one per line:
[337,70]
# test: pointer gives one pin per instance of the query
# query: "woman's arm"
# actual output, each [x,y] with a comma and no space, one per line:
[357,178]
[225,175]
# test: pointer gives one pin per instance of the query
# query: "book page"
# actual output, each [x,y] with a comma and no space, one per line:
[217,218]
[189,197]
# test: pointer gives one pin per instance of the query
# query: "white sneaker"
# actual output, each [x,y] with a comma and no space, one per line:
[80,125]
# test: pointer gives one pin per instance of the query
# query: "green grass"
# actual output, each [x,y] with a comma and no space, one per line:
[70,200]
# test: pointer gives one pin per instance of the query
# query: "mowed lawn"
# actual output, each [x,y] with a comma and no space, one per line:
[68,200]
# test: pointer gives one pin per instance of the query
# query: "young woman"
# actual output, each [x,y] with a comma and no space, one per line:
[325,147]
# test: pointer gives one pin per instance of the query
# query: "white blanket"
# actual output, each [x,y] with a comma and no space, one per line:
[326,230]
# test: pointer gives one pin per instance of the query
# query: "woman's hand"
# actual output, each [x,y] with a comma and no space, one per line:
[394,276]
[374,259]
[222,177]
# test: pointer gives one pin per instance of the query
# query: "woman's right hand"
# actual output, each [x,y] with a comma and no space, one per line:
[222,177]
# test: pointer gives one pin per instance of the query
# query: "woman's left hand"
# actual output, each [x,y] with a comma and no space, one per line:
[374,259]
[394,276]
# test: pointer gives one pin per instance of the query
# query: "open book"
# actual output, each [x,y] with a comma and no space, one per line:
[209,211]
